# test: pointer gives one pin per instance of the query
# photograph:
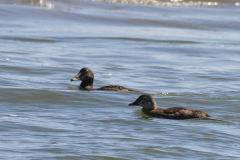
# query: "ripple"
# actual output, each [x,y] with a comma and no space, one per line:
[28,39]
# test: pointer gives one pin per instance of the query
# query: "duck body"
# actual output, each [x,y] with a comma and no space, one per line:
[175,113]
[116,88]
[87,77]
[150,108]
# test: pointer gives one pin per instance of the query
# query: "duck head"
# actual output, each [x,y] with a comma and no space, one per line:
[146,101]
[86,76]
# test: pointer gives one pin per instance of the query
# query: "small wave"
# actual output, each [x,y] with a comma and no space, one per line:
[149,40]
[27,39]
[125,39]
[43,3]
[163,3]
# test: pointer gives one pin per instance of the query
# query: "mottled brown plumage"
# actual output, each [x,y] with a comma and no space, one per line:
[150,108]
[116,88]
[87,77]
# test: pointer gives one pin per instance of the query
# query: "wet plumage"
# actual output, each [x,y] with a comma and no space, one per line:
[87,77]
[150,108]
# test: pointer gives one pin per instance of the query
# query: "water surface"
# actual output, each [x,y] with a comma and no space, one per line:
[184,55]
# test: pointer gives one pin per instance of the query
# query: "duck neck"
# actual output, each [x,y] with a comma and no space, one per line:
[150,105]
[87,84]
[153,105]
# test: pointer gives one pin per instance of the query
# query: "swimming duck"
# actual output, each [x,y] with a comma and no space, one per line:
[87,77]
[150,108]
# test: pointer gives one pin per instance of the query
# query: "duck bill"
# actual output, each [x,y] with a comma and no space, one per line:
[77,77]
[134,104]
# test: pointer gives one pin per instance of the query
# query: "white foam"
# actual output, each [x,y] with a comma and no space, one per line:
[107,74]
[158,3]
[13,115]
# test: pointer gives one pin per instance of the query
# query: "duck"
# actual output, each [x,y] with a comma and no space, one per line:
[150,108]
[87,78]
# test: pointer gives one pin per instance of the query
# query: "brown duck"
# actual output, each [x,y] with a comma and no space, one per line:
[150,108]
[87,77]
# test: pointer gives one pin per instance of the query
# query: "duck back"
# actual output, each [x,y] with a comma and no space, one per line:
[175,113]
[116,88]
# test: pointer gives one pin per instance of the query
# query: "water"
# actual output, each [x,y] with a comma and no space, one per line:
[185,56]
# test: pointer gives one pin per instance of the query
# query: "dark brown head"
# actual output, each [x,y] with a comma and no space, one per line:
[146,101]
[87,77]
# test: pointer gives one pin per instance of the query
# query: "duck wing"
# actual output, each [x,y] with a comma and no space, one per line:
[176,113]
[116,88]
[183,113]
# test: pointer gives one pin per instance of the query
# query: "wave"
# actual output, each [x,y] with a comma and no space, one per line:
[51,4]
[186,3]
